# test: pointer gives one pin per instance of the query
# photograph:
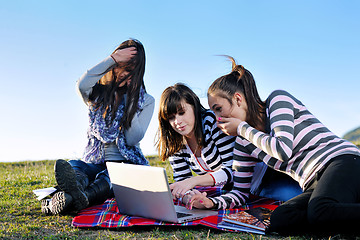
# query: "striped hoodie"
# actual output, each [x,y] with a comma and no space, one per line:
[216,155]
[296,143]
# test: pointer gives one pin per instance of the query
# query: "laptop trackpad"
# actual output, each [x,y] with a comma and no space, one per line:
[194,213]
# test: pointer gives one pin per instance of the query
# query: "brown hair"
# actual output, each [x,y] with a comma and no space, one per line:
[240,80]
[105,90]
[169,141]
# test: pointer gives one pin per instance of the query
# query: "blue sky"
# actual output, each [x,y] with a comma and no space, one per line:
[310,48]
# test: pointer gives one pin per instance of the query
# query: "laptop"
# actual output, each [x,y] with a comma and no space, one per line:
[144,191]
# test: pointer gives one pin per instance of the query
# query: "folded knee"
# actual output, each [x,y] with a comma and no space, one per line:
[287,218]
[319,210]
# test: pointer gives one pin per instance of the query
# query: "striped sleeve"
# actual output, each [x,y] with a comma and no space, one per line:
[180,166]
[281,113]
[219,154]
[243,166]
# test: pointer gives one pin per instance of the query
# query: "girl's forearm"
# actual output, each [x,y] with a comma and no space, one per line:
[203,180]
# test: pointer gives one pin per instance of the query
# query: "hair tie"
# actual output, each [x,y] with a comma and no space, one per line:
[239,68]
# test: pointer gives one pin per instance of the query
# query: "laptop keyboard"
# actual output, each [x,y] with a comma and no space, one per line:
[180,214]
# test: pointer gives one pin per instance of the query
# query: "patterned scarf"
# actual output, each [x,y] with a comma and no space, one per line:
[103,131]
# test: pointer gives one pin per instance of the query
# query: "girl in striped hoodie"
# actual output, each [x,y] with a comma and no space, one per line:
[282,133]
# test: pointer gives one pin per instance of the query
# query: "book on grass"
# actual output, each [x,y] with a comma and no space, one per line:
[44,192]
[255,220]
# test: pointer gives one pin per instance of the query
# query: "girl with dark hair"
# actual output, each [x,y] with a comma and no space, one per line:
[120,111]
[189,137]
[283,134]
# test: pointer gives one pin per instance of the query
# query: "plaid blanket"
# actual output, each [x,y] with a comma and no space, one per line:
[107,214]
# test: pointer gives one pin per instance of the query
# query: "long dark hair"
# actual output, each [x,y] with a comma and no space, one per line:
[105,91]
[169,141]
[240,80]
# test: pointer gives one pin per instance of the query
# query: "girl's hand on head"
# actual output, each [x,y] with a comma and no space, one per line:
[228,125]
[124,55]
[179,189]
[199,200]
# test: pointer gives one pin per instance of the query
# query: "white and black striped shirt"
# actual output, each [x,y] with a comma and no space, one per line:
[216,155]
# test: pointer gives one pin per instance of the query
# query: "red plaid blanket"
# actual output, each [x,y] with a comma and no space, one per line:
[107,215]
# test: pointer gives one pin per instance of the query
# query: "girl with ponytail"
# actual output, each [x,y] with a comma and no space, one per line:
[241,80]
[284,135]
[266,181]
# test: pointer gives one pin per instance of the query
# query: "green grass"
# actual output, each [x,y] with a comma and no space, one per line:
[21,218]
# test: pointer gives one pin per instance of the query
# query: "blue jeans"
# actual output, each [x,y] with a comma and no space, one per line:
[93,171]
[278,186]
[280,189]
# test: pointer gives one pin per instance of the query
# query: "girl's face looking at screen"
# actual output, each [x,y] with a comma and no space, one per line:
[183,121]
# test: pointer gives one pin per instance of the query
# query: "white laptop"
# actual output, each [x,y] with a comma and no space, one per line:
[144,191]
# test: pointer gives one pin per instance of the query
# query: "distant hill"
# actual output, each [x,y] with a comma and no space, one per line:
[353,136]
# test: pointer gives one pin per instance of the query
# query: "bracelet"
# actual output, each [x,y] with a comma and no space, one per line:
[187,192]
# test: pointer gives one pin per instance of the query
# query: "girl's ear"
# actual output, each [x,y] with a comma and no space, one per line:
[238,99]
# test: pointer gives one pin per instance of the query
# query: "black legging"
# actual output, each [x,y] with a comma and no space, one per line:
[331,202]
